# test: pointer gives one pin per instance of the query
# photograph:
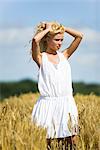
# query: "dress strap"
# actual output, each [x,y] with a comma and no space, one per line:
[44,59]
[62,56]
[43,56]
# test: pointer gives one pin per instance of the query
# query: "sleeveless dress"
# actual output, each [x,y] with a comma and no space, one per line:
[55,108]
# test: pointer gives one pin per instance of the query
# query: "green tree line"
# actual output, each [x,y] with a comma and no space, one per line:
[8,89]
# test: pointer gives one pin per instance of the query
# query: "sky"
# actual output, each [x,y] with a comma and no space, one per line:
[18,20]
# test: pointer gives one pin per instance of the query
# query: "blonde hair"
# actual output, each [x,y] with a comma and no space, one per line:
[56,28]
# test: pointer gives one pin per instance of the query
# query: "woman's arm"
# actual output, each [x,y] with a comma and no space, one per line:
[73,46]
[36,53]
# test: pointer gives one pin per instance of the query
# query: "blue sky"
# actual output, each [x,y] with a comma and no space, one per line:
[18,20]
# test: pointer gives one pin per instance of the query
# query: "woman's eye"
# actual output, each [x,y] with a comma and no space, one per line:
[58,40]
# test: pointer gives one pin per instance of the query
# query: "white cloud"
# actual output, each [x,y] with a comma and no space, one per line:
[15,36]
[13,41]
[88,60]
[19,35]
[91,35]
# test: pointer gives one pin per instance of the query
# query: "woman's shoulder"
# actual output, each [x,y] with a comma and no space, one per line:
[61,53]
[43,55]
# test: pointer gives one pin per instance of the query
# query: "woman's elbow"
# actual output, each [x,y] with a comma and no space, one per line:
[81,35]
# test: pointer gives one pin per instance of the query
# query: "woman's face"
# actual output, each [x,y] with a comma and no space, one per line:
[55,42]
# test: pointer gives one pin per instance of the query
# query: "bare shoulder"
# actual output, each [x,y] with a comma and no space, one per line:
[65,54]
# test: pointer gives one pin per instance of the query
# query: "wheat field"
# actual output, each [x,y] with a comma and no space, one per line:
[17,132]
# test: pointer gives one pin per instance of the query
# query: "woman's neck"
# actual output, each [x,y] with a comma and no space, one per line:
[50,51]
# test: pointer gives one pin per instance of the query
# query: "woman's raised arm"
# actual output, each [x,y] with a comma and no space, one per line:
[36,52]
[75,43]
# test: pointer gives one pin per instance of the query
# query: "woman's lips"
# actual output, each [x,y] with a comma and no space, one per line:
[58,47]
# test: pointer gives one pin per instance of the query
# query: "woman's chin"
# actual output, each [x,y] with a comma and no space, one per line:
[57,48]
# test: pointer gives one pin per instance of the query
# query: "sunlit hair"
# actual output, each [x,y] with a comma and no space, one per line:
[55,28]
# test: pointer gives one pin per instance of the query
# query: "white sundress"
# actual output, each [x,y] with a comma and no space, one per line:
[56,109]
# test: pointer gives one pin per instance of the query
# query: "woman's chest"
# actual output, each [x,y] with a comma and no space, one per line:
[56,70]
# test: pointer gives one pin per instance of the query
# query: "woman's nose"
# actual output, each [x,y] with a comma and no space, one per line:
[60,42]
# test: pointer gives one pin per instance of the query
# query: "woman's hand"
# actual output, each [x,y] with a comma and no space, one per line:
[47,25]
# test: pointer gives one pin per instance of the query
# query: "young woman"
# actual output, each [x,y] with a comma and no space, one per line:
[55,109]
